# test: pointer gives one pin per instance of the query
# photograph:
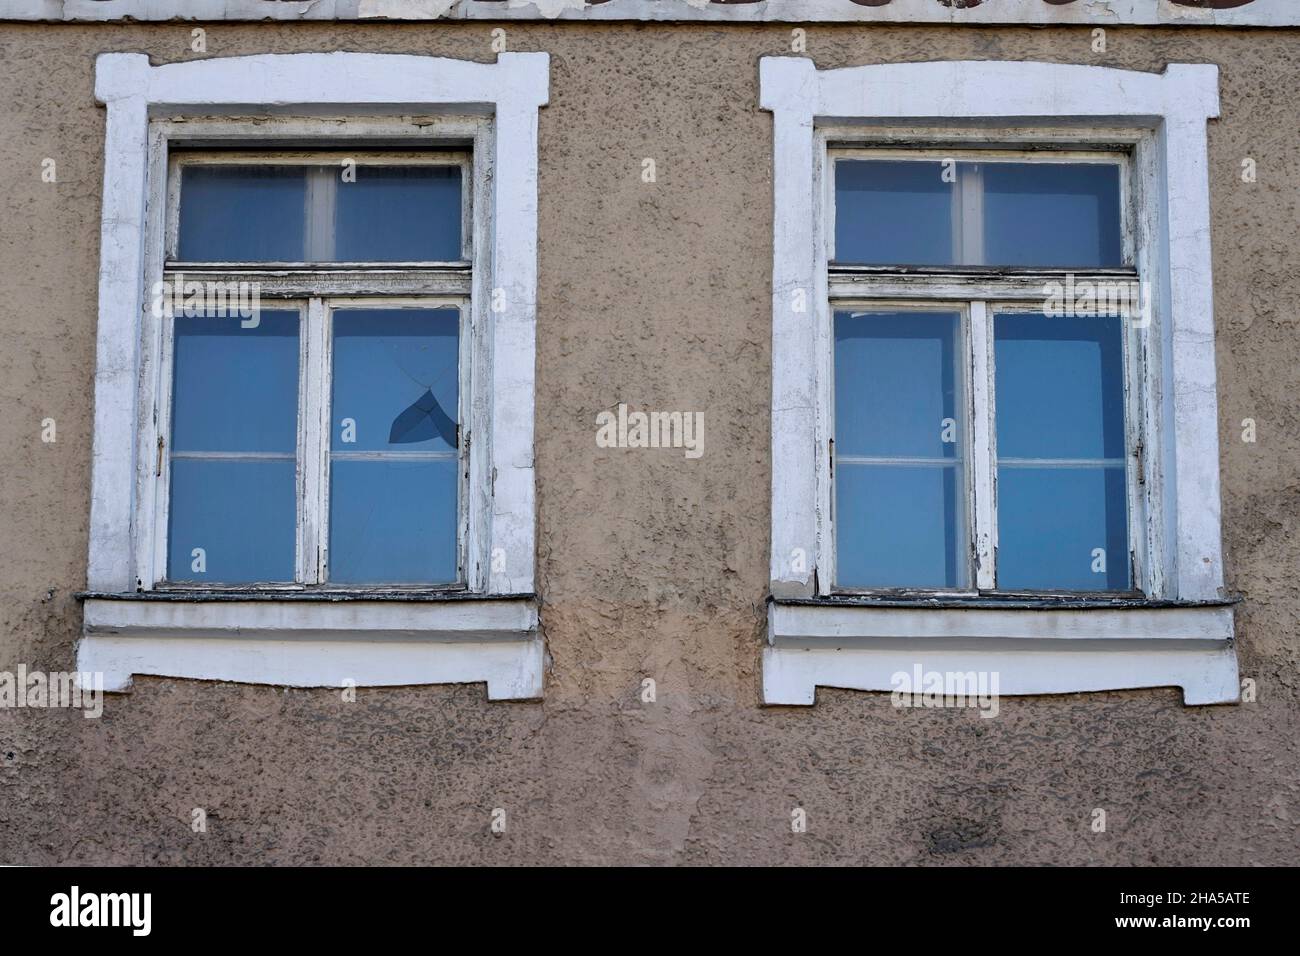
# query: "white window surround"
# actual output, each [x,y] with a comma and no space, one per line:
[485,632]
[1182,633]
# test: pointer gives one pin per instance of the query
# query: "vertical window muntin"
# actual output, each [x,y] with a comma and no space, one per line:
[316,290]
[979,294]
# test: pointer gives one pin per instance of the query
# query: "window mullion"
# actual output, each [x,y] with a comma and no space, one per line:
[970,196]
[313,425]
[319,228]
[983,453]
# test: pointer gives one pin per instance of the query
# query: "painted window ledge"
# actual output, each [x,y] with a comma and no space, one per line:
[1182,635]
[1033,650]
[317,640]
[487,633]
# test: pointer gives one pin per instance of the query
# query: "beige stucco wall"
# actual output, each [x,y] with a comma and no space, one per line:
[650,564]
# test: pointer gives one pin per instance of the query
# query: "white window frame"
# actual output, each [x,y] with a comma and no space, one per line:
[977,294]
[483,628]
[1180,632]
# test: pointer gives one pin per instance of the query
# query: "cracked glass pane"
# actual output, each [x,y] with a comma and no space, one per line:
[394,449]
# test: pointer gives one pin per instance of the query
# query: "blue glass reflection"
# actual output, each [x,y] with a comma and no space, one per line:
[1058,215]
[899,481]
[399,214]
[233,505]
[242,213]
[393,521]
[234,388]
[394,483]
[1062,496]
[239,514]
[892,213]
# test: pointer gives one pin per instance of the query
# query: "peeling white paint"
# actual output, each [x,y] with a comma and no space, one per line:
[550,9]
[405,9]
[1030,12]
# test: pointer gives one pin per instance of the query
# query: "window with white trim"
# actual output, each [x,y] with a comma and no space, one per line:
[311,436]
[315,366]
[994,418]
[978,438]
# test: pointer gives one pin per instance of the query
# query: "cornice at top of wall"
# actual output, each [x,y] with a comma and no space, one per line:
[1230,13]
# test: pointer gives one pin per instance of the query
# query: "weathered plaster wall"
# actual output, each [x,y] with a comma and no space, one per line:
[650,564]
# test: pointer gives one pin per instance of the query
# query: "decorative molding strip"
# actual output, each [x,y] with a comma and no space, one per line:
[1228,13]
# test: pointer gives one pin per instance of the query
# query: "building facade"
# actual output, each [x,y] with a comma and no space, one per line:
[628,434]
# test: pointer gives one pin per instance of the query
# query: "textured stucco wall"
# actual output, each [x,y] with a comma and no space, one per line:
[650,564]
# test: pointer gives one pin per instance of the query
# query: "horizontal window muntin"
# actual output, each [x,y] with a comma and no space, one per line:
[317,420]
[948,210]
[385,209]
[980,495]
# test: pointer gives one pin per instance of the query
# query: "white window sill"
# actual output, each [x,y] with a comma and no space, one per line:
[316,640]
[861,645]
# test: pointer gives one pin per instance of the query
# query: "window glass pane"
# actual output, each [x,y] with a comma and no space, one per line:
[234,388]
[242,213]
[233,504]
[320,213]
[1060,386]
[399,213]
[899,478]
[393,521]
[896,381]
[892,213]
[396,379]
[898,526]
[394,446]
[1062,499]
[924,213]
[1052,215]
[239,514]
[1052,524]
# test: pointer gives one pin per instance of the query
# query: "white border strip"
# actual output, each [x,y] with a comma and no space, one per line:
[1275,13]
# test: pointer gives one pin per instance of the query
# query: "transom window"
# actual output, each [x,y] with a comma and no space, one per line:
[317,373]
[983,437]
